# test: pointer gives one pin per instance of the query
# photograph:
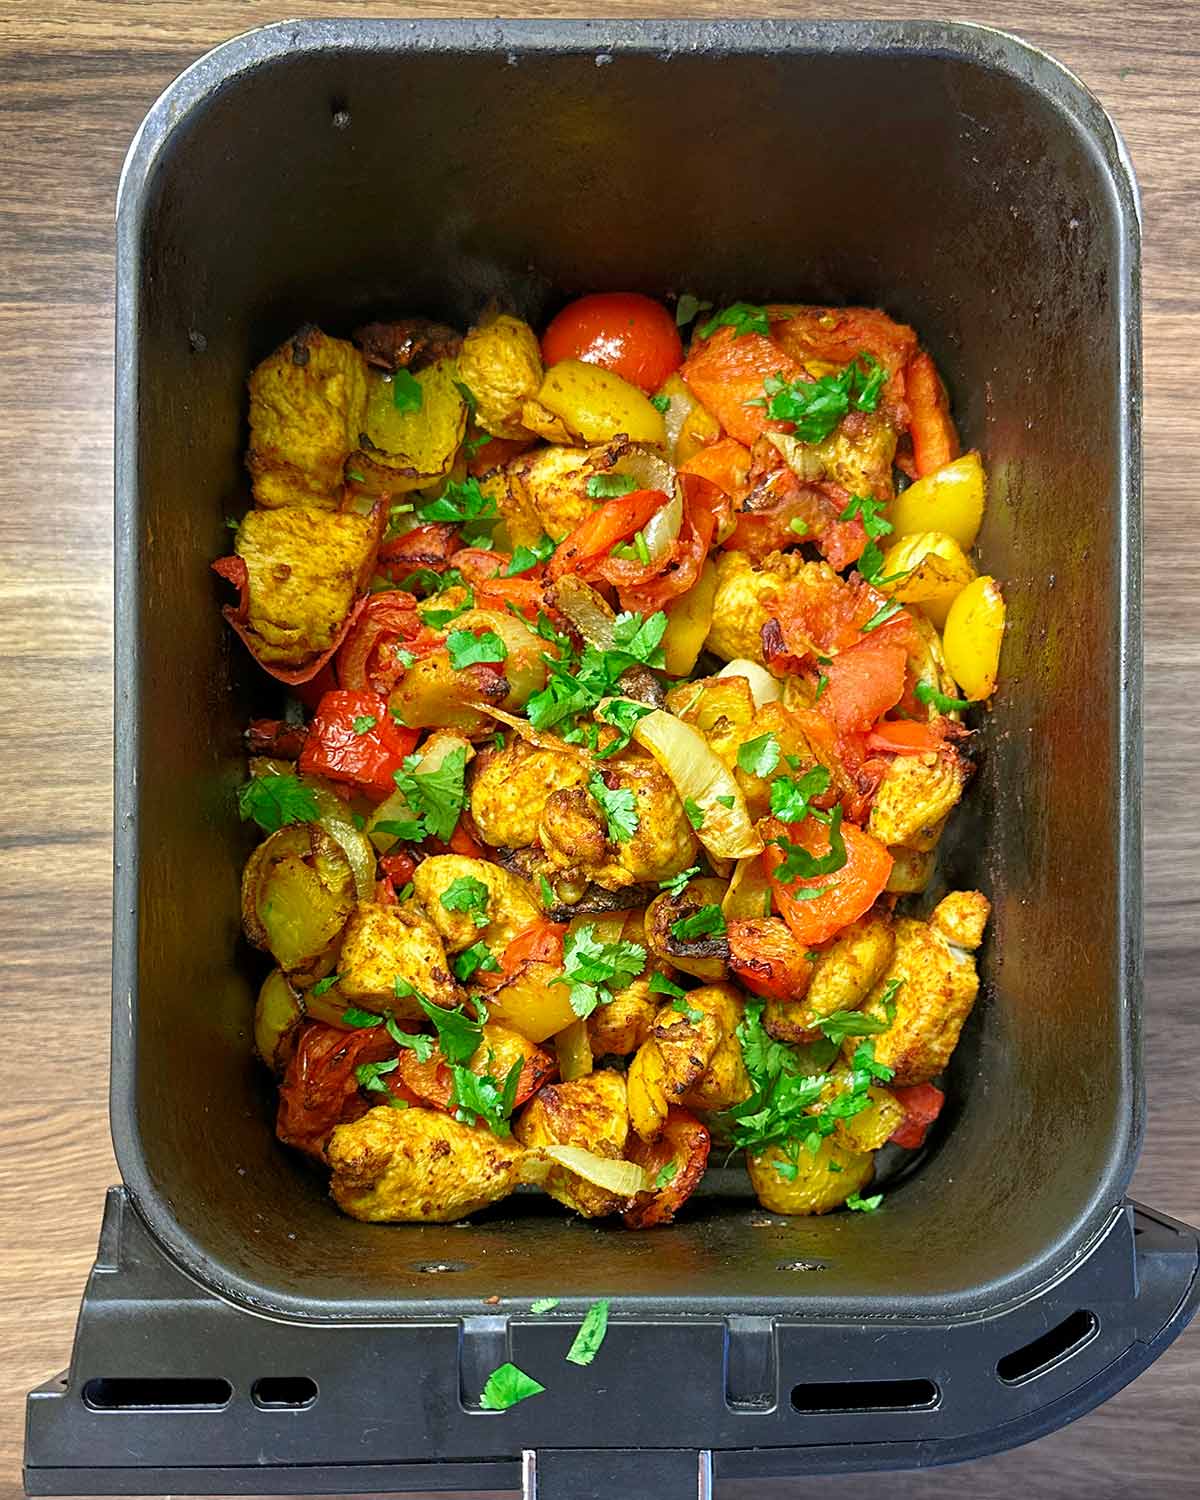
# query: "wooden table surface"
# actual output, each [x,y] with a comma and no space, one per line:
[77,78]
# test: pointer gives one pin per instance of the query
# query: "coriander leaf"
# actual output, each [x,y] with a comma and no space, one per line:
[676,883]
[404,892]
[438,619]
[815,407]
[364,723]
[458,1035]
[881,615]
[549,899]
[232,522]
[843,1023]
[822,684]
[619,807]
[370,1074]
[687,307]
[438,795]
[661,985]
[506,1386]
[543,1304]
[726,801]
[870,563]
[464,504]
[407,394]
[799,864]
[659,403]
[666,1174]
[468,396]
[709,921]
[695,813]
[623,714]
[868,509]
[472,446]
[799,525]
[864,1205]
[742,317]
[524,558]
[352,1016]
[594,970]
[406,830]
[927,693]
[888,998]
[791,795]
[480,1096]
[414,1041]
[760,756]
[466,648]
[683,1007]
[323,986]
[471,960]
[640,637]
[466,894]
[273,801]
[587,1341]
[609,486]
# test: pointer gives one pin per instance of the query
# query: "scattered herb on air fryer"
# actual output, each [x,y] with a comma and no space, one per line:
[465,505]
[610,486]
[815,407]
[471,960]
[864,1205]
[437,796]
[759,757]
[666,1174]
[799,864]
[659,403]
[687,308]
[364,723]
[506,1386]
[524,558]
[595,970]
[370,1075]
[742,317]
[661,985]
[676,883]
[683,1006]
[543,1304]
[480,1096]
[884,613]
[468,649]
[586,1344]
[458,1034]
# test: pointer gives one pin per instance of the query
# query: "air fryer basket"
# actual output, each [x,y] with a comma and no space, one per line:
[324,171]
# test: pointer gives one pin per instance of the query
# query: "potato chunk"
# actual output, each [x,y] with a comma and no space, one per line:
[843,975]
[917,793]
[418,1166]
[304,568]
[936,990]
[509,908]
[501,365]
[509,789]
[590,1112]
[822,1181]
[385,943]
[307,403]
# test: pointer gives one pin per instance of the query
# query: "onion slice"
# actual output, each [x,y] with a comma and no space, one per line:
[624,1179]
[662,529]
[590,614]
[701,777]
[763,687]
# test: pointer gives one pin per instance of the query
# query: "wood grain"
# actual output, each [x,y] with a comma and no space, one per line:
[76,83]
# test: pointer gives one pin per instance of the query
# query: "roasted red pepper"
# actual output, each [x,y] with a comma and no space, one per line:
[320,1088]
[354,739]
[922,1103]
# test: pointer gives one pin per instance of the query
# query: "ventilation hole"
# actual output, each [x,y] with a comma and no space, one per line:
[341,119]
[865,1395]
[1040,1354]
[440,1267]
[283,1392]
[156,1395]
[802,1265]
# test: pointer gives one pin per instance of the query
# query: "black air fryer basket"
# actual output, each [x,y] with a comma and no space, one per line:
[237,1334]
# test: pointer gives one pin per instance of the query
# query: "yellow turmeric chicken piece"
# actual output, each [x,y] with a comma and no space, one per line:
[692,1057]
[843,975]
[509,789]
[916,795]
[384,943]
[590,1112]
[447,886]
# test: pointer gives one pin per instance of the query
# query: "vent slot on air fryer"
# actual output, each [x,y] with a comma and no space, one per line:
[1057,1343]
[865,1395]
[165,1394]
[283,1392]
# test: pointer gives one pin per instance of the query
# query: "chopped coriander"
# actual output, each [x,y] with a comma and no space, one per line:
[468,649]
[676,883]
[506,1386]
[726,801]
[364,723]
[437,795]
[812,954]
[232,522]
[666,1174]
[273,801]
[524,558]
[791,795]
[498,740]
[471,960]
[640,637]
[882,615]
[687,307]
[358,820]
[407,394]
[458,1035]
[479,1096]
[577,683]
[356,476]
[843,1023]
[822,684]
[760,756]
[695,813]
[661,985]
[864,1205]
[609,486]
[742,317]
[888,998]
[619,807]
[660,403]
[543,1305]
[683,1007]
[352,1016]
[464,504]
[405,659]
[370,1074]
[709,921]
[404,830]
[799,525]
[438,619]
[414,1041]
[404,893]
[466,894]
[815,407]
[623,714]
[595,970]
[867,509]
[927,693]
[549,899]
[323,986]
[641,548]
[468,395]
[587,1341]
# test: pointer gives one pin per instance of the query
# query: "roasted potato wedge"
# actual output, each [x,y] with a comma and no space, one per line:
[409,447]
[822,1180]
[297,893]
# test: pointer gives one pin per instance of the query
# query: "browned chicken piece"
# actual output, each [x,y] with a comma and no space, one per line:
[550,485]
[857,454]
[501,365]
[307,404]
[574,833]
[843,976]
[748,596]
[694,1062]
[622,1026]
[408,344]
[820,1181]
[798,754]
[304,569]
[509,789]
[418,1166]
[509,907]
[932,983]
[385,943]
[916,795]
[590,1112]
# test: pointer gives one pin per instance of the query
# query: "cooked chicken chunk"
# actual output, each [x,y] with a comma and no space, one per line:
[385,943]
[932,983]
[501,365]
[307,405]
[418,1166]
[623,1025]
[590,1112]
[843,976]
[304,569]
[508,907]
[696,1063]
[915,797]
[509,789]
[747,597]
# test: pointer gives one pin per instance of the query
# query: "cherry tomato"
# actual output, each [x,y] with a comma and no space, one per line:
[632,335]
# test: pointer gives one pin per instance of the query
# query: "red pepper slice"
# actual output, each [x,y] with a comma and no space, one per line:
[365,756]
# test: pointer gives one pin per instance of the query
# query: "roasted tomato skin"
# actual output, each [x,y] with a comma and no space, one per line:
[767,960]
[632,335]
